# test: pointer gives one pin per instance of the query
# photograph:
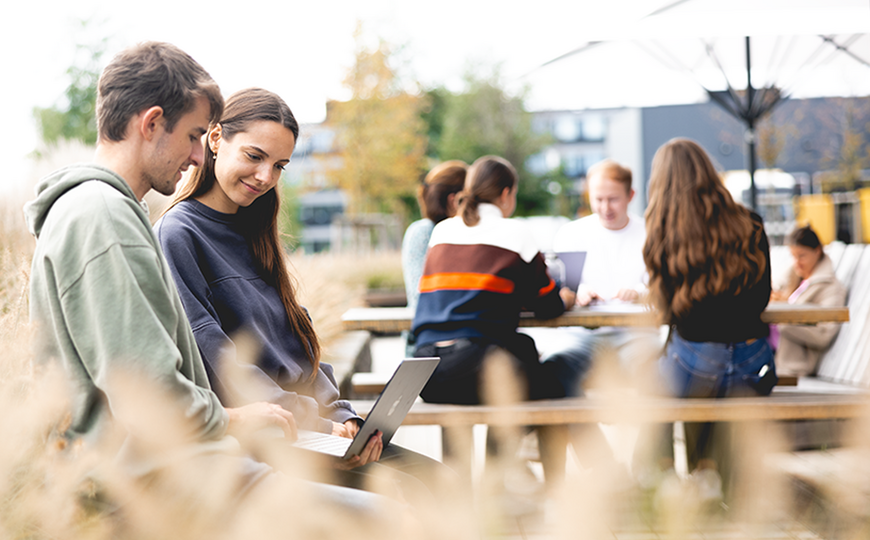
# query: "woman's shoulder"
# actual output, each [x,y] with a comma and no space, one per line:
[180,225]
[757,220]
[419,228]
[509,234]
[824,272]
[416,239]
[179,213]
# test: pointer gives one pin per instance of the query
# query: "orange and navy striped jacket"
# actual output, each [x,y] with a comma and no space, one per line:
[476,280]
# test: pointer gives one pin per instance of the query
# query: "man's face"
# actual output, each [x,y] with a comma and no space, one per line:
[174,152]
[609,200]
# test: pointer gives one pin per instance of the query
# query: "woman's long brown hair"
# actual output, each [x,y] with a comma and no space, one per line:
[699,242]
[260,218]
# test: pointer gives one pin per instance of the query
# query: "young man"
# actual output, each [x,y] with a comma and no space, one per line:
[614,270]
[103,299]
[611,237]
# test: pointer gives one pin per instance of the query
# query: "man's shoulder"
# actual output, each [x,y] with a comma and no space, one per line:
[636,222]
[92,216]
[586,223]
[89,198]
[574,235]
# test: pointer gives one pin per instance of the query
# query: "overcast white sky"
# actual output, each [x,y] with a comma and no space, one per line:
[301,49]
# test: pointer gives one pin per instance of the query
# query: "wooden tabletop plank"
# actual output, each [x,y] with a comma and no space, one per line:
[394,320]
[783,406]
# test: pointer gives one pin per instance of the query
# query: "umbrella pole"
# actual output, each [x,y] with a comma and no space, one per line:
[750,130]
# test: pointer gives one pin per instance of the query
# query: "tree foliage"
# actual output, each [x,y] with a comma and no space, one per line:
[380,134]
[74,117]
[772,140]
[485,119]
[289,225]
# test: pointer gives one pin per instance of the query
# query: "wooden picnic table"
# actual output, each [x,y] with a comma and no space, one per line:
[395,320]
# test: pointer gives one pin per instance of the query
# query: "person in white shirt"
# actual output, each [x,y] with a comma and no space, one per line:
[614,270]
[611,237]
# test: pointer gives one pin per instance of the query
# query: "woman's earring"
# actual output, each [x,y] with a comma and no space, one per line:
[214,156]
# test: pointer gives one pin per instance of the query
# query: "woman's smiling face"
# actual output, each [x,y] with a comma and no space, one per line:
[248,164]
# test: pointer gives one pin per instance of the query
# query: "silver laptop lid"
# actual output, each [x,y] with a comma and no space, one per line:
[394,402]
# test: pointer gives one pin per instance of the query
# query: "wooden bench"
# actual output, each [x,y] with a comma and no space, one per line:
[553,417]
[782,404]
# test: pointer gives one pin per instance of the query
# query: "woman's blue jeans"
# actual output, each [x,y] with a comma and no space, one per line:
[707,369]
[692,369]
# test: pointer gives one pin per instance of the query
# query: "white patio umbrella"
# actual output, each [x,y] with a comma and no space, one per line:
[747,56]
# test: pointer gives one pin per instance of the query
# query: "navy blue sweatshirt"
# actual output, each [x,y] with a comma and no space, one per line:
[477,279]
[222,294]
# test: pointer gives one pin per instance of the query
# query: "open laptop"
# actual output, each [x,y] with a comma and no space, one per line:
[573,261]
[386,415]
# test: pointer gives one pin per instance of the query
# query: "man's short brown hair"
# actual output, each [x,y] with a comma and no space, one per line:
[613,170]
[147,75]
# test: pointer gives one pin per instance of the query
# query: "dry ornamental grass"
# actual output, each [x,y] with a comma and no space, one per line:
[45,491]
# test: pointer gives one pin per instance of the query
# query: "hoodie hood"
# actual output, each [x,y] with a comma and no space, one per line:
[53,186]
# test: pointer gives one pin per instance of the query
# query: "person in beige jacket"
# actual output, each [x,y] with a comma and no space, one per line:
[812,281]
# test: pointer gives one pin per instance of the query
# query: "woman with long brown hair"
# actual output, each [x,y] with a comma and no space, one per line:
[709,277]
[220,237]
[708,260]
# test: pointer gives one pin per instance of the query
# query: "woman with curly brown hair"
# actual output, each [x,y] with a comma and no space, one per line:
[709,277]
[708,260]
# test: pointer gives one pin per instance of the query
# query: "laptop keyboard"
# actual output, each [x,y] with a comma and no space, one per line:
[321,442]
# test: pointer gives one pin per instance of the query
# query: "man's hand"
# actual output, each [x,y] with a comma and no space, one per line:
[585,296]
[568,297]
[250,418]
[627,295]
[371,453]
[348,430]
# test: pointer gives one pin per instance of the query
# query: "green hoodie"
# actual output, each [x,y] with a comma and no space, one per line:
[106,307]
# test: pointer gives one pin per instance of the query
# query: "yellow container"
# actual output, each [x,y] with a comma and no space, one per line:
[818,211]
[864,197]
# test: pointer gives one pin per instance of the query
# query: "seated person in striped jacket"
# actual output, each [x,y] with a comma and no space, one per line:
[482,269]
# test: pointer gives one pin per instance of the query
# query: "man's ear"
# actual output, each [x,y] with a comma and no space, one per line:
[630,195]
[214,138]
[149,120]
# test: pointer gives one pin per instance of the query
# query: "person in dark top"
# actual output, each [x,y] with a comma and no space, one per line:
[221,241]
[709,273]
[708,260]
[482,269]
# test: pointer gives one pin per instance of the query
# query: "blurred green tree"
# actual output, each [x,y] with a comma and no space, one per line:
[486,119]
[74,117]
[380,133]
[289,222]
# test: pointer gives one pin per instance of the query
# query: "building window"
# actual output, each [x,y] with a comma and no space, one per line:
[593,128]
[567,129]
